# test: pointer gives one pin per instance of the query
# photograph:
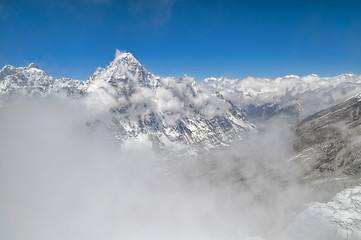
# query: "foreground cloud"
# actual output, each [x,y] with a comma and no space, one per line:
[62,180]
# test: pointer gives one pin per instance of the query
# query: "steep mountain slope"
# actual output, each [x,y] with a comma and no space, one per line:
[329,141]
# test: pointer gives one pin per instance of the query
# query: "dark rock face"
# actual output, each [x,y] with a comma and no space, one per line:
[329,142]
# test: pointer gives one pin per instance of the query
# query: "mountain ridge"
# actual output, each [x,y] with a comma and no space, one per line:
[163,111]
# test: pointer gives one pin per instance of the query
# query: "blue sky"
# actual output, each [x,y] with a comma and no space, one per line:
[173,37]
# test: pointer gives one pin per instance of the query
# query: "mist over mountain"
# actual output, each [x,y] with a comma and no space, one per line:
[155,110]
[291,95]
[131,155]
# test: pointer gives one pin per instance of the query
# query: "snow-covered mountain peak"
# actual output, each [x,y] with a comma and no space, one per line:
[7,68]
[33,65]
[161,110]
[123,75]
[123,65]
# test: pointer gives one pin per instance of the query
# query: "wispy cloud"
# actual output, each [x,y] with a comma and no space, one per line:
[158,12]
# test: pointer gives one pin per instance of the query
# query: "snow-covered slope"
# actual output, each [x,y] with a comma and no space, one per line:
[136,105]
[337,219]
[24,81]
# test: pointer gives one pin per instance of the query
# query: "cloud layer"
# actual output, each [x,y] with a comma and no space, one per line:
[62,180]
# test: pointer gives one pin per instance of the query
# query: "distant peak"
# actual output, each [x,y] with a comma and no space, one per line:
[7,67]
[33,65]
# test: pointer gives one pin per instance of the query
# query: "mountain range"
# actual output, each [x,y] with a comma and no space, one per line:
[176,113]
[163,112]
